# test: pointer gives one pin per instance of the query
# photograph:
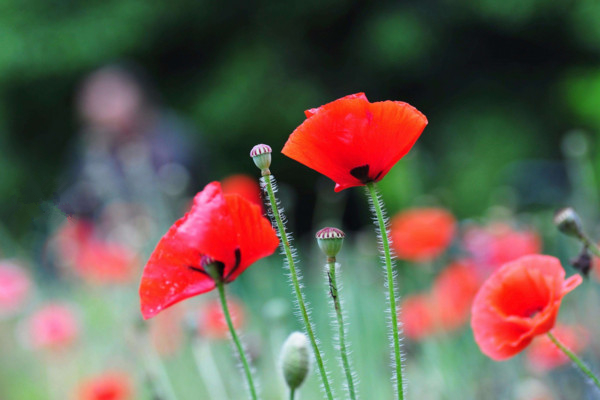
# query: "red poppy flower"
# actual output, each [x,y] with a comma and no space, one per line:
[452,294]
[244,185]
[353,141]
[212,322]
[14,287]
[498,243]
[107,386]
[54,326]
[422,234]
[417,317]
[224,229]
[543,355]
[518,302]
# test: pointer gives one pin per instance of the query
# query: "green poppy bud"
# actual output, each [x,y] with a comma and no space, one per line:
[568,222]
[295,359]
[330,241]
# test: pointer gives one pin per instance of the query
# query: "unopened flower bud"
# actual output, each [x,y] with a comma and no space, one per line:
[330,241]
[295,359]
[568,222]
[261,155]
[583,262]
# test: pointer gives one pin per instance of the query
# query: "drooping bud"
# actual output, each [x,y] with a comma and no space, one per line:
[583,262]
[568,222]
[261,155]
[330,241]
[295,359]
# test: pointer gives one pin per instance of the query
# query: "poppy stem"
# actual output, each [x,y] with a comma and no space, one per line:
[333,291]
[391,295]
[236,340]
[296,282]
[590,245]
[292,394]
[584,369]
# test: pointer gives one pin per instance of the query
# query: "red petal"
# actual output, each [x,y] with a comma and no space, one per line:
[255,235]
[350,133]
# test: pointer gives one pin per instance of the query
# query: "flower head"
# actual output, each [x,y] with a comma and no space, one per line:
[353,141]
[422,234]
[244,185]
[227,231]
[15,286]
[212,322]
[107,386]
[54,326]
[518,302]
[417,316]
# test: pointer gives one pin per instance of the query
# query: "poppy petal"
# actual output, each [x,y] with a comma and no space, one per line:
[571,283]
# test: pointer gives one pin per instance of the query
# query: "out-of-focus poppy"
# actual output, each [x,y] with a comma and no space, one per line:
[112,385]
[52,327]
[212,322]
[94,259]
[166,330]
[518,302]
[452,294]
[244,185]
[422,234]
[225,230]
[15,286]
[498,243]
[544,355]
[417,316]
[353,141]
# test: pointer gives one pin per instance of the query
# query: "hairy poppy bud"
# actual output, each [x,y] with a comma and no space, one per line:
[568,222]
[261,155]
[295,359]
[330,241]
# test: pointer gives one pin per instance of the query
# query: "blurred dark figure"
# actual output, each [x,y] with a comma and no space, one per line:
[132,161]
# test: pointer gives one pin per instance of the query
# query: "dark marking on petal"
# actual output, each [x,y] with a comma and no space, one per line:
[377,176]
[202,271]
[238,261]
[361,173]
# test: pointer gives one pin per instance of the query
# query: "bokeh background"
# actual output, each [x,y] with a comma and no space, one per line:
[511,90]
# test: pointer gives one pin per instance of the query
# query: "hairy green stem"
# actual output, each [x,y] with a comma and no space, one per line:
[296,284]
[333,291]
[236,340]
[390,283]
[584,369]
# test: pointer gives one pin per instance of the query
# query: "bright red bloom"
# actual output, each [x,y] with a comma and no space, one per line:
[497,244]
[15,286]
[353,141]
[107,386]
[212,322]
[518,302]
[417,316]
[244,185]
[452,294]
[543,355]
[228,230]
[422,234]
[52,327]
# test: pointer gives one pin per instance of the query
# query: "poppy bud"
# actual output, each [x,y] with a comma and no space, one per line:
[295,359]
[330,241]
[583,262]
[568,222]
[261,155]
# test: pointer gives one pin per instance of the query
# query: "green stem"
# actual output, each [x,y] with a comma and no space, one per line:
[390,283]
[342,334]
[292,393]
[295,282]
[590,245]
[236,340]
[575,359]
[160,373]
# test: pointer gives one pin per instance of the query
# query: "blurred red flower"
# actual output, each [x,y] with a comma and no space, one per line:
[94,259]
[353,141]
[543,355]
[211,320]
[225,228]
[54,326]
[452,294]
[518,302]
[422,234]
[244,185]
[15,286]
[166,330]
[498,243]
[417,316]
[107,386]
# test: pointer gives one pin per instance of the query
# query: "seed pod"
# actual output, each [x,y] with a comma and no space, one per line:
[295,359]
[261,155]
[330,241]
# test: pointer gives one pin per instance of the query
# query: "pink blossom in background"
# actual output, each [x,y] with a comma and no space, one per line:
[53,326]
[112,385]
[15,286]
[211,320]
[543,355]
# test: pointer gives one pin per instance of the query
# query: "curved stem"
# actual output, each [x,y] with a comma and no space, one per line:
[296,284]
[390,283]
[342,334]
[590,245]
[584,369]
[236,340]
